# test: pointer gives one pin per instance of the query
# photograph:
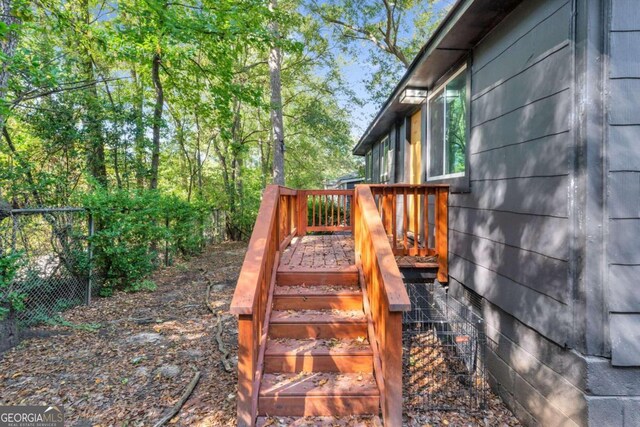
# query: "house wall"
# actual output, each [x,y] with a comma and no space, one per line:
[510,236]
[623,167]
[549,232]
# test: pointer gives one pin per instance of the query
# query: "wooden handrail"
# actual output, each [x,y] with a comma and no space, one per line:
[387,299]
[275,225]
[252,272]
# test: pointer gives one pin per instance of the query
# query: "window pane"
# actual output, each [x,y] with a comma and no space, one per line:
[456,125]
[436,134]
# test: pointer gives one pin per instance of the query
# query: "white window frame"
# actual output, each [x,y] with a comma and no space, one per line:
[433,94]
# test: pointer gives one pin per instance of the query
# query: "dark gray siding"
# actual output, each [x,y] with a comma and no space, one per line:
[623,182]
[509,237]
[375,158]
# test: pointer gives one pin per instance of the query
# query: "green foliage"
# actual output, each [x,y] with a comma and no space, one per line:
[132,229]
[58,320]
[10,298]
[142,286]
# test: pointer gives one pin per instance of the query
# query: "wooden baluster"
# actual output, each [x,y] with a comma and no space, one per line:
[313,210]
[352,210]
[326,215]
[426,222]
[333,201]
[416,220]
[394,224]
[405,222]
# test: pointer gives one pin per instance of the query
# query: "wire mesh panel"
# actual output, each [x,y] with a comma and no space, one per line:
[444,347]
[54,260]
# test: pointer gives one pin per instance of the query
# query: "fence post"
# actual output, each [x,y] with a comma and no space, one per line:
[90,256]
[166,242]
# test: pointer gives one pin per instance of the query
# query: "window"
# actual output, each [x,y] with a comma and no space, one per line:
[385,163]
[447,128]
[368,166]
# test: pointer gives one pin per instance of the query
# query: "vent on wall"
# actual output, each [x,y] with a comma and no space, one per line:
[474,299]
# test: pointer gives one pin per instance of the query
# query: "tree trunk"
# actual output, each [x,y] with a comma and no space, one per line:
[157,120]
[95,140]
[8,45]
[275,63]
[139,142]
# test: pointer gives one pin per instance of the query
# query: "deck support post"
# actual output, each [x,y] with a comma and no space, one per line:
[442,234]
[246,368]
[392,369]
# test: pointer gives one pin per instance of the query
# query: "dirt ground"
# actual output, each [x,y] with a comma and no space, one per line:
[125,360]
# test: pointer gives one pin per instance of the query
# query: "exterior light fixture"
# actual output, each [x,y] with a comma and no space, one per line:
[412,95]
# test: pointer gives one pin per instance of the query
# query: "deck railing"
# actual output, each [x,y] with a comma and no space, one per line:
[275,226]
[415,218]
[386,298]
[326,210]
[285,213]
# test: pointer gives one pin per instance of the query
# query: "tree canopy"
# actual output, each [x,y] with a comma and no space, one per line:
[174,95]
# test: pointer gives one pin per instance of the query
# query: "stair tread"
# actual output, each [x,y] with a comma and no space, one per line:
[319,384]
[318,316]
[321,290]
[326,421]
[317,347]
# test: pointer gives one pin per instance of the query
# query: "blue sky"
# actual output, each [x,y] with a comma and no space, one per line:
[355,72]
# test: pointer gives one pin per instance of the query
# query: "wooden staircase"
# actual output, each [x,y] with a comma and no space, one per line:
[320,316]
[318,360]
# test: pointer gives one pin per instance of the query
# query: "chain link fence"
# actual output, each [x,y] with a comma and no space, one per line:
[55,259]
[56,256]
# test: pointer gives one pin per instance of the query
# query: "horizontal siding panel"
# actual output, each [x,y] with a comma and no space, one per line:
[546,315]
[624,108]
[543,274]
[537,196]
[624,241]
[549,116]
[624,288]
[625,339]
[541,157]
[513,50]
[549,76]
[545,235]
[624,15]
[624,148]
[625,54]
[624,195]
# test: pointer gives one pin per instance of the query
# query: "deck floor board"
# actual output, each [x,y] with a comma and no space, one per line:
[320,252]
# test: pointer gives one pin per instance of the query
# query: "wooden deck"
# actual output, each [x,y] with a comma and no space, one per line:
[326,252]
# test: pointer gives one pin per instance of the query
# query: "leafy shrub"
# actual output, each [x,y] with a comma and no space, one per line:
[132,229]
[10,298]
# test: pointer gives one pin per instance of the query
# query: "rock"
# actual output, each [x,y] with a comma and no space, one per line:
[142,371]
[219,287]
[168,371]
[145,338]
[194,353]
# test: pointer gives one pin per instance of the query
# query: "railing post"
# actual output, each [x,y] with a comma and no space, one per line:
[392,367]
[442,233]
[302,213]
[246,369]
